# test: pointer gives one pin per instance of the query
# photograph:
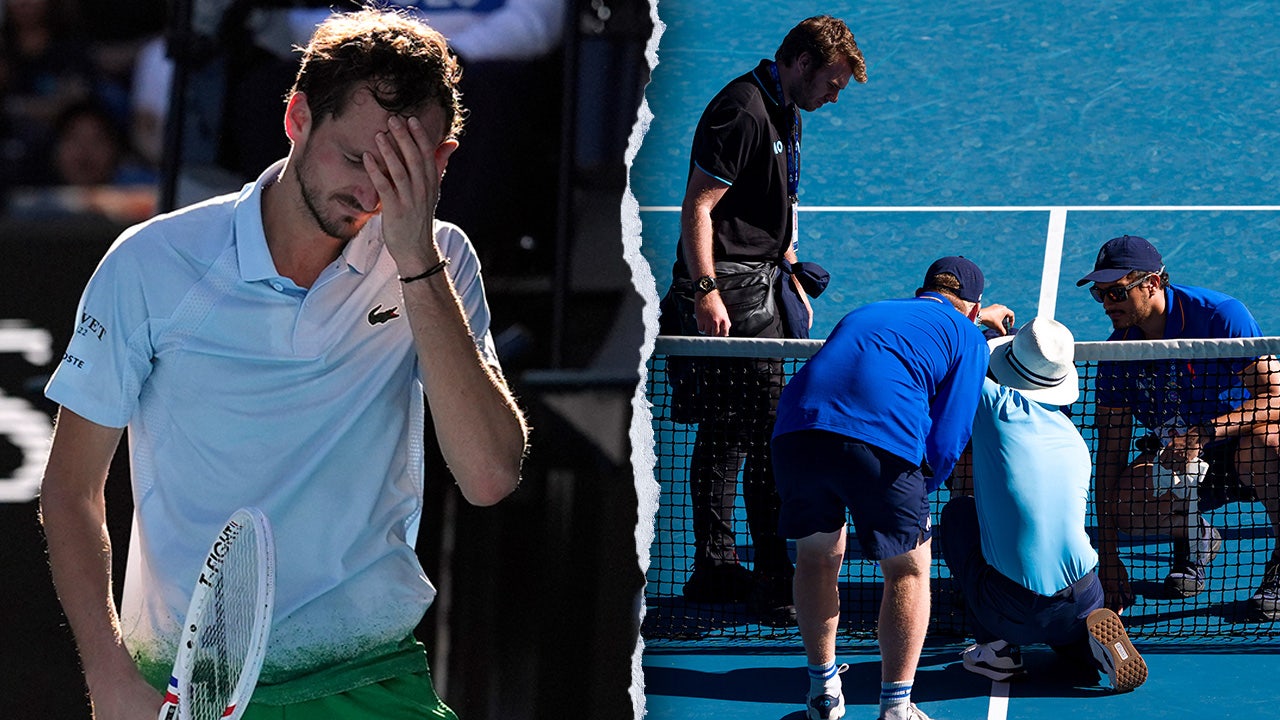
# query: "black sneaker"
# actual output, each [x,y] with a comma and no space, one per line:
[1185,578]
[728,583]
[772,601]
[1266,602]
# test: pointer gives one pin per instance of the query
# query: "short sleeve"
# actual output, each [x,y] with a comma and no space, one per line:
[724,140]
[109,356]
[464,271]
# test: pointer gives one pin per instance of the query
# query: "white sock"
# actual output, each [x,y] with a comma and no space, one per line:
[895,699]
[824,680]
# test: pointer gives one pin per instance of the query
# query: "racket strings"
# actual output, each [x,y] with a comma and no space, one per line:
[224,638]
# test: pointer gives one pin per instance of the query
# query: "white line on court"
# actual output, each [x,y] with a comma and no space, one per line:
[999,706]
[1052,262]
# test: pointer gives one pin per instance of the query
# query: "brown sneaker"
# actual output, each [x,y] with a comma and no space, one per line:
[1116,656]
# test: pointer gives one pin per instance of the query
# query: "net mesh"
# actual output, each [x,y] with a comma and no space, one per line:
[740,376]
[224,637]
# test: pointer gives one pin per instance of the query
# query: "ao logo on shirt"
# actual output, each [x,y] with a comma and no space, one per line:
[777,147]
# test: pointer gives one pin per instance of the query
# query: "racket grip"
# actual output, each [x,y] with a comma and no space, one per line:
[169,711]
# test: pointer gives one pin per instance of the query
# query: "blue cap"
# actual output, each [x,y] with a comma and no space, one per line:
[970,277]
[1121,256]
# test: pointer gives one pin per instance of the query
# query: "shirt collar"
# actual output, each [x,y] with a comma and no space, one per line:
[1175,322]
[765,81]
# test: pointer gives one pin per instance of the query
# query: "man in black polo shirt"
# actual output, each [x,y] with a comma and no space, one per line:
[740,207]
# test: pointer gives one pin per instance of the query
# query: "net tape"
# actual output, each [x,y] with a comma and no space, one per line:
[730,370]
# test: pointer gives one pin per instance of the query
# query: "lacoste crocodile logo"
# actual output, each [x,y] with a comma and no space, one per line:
[377,316]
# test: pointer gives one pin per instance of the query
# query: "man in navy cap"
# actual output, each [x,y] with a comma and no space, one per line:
[895,385]
[1213,425]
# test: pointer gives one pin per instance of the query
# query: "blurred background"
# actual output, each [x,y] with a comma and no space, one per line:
[112,112]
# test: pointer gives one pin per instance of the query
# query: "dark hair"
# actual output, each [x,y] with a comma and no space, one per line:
[944,283]
[948,286]
[405,64]
[1134,274]
[825,38]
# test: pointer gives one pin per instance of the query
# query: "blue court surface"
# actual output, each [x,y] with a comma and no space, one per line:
[1185,683]
[1022,135]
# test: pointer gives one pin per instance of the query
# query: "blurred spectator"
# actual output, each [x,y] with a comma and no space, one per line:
[149,100]
[89,148]
[43,66]
[43,57]
[86,168]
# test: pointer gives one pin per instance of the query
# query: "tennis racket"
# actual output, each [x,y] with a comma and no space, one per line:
[225,635]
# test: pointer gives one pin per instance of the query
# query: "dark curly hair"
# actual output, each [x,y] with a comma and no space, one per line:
[405,63]
[825,38]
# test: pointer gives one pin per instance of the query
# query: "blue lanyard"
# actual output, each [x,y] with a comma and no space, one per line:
[793,139]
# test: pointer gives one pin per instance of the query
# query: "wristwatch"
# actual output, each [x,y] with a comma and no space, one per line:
[706,284]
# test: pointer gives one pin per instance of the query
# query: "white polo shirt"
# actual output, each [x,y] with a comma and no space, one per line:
[240,388]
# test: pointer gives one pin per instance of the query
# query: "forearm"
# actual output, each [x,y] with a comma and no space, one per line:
[80,562]
[481,430]
[1255,412]
[697,246]
[1114,438]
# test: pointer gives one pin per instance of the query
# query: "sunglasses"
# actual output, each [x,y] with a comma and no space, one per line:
[1120,293]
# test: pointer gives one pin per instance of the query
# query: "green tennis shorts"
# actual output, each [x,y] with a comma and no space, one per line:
[391,684]
[405,697]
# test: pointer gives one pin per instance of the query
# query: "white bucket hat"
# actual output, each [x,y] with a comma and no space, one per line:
[1038,361]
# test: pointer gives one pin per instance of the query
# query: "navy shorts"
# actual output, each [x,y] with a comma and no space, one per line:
[820,474]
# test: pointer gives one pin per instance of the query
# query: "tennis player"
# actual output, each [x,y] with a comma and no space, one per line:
[1017,546]
[895,384]
[1223,411]
[272,347]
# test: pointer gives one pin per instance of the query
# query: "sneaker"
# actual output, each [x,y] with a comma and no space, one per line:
[913,713]
[729,583]
[1116,656]
[1266,602]
[1186,576]
[824,707]
[997,660]
[772,602]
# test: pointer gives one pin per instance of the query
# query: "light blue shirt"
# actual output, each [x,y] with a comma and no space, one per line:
[1031,483]
[240,388]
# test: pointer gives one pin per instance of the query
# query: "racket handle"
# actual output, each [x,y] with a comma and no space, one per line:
[169,711]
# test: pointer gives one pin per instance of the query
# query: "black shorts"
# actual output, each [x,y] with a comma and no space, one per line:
[1222,484]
